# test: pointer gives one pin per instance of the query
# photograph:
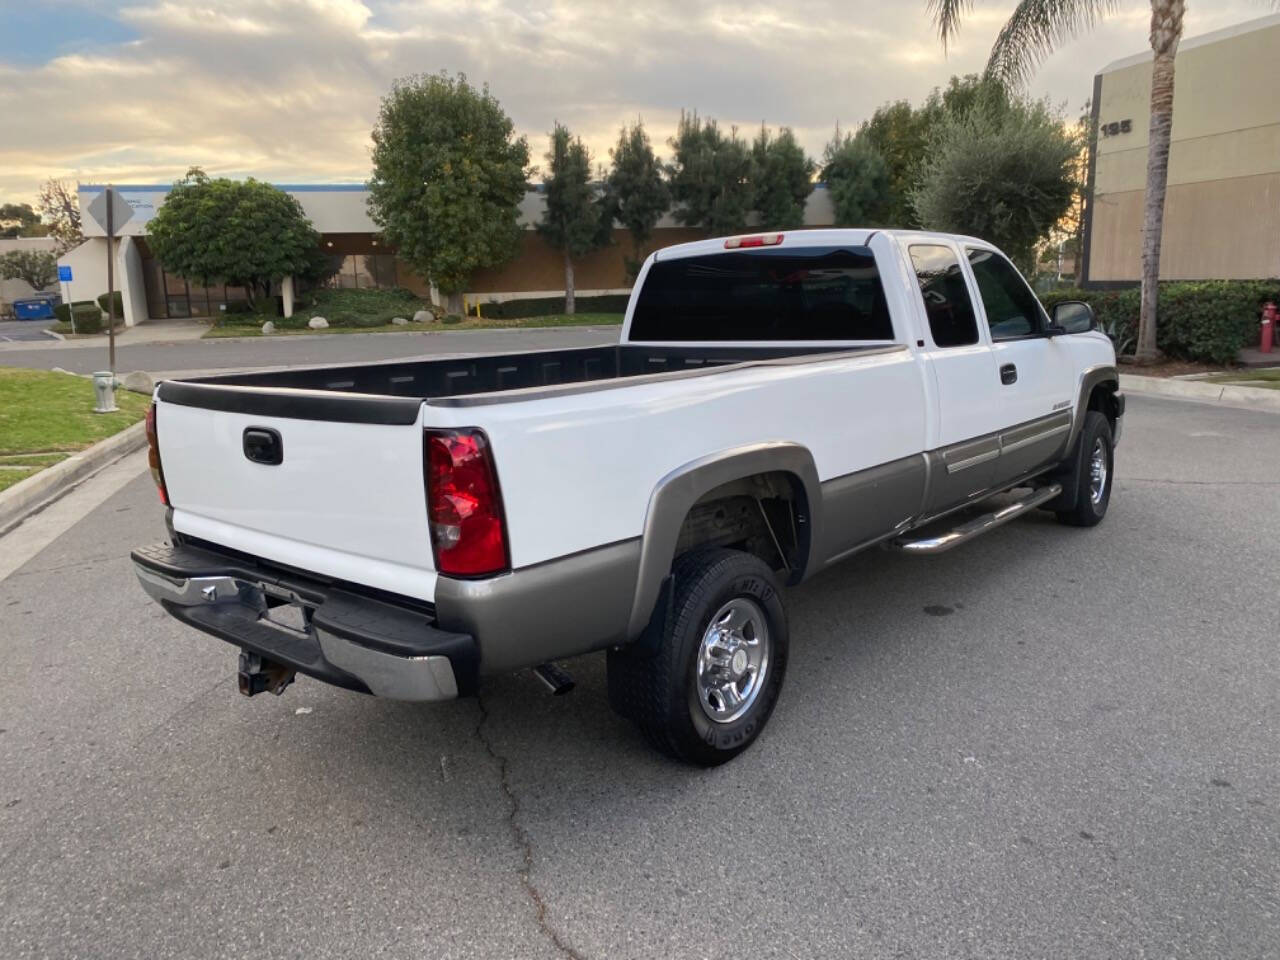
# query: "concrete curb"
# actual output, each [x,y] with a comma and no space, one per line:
[31,494]
[1226,394]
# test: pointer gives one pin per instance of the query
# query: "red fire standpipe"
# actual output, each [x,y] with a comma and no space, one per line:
[1268,326]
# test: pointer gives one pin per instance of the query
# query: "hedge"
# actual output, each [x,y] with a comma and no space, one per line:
[1207,321]
[102,302]
[546,306]
[88,316]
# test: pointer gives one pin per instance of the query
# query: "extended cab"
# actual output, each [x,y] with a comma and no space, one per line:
[775,404]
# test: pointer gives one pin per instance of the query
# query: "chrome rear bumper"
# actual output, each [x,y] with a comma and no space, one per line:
[337,636]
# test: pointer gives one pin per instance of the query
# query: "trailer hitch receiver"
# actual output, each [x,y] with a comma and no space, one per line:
[257,675]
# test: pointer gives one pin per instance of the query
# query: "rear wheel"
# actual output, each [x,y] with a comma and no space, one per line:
[707,691]
[1094,474]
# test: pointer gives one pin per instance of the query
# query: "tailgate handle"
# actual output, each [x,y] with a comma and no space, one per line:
[263,445]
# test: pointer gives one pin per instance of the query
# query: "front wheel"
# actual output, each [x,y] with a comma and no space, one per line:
[706,693]
[1094,475]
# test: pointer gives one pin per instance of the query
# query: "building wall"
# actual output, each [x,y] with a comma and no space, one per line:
[539,267]
[88,263]
[1222,212]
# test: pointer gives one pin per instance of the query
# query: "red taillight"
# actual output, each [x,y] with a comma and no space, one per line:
[759,240]
[464,507]
[153,455]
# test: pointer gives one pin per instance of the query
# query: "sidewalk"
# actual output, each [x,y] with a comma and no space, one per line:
[152,331]
[1226,394]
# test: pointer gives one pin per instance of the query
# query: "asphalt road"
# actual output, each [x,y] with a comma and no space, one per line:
[14,331]
[186,355]
[1050,743]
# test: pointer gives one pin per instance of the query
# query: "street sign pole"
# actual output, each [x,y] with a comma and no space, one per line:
[111,279]
[111,213]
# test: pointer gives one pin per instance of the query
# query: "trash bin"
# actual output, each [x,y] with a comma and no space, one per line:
[35,308]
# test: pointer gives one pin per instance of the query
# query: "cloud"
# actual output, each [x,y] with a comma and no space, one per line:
[288,90]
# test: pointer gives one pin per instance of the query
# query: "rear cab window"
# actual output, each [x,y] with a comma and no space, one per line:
[787,293]
[952,322]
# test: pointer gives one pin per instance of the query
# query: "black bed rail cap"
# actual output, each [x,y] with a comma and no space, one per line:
[291,404]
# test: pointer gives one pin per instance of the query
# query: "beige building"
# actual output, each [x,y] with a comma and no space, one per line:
[1222,211]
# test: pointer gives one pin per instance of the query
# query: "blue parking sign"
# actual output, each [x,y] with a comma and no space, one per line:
[64,274]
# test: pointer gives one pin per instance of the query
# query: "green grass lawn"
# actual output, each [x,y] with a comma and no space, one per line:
[51,415]
[1268,379]
[297,324]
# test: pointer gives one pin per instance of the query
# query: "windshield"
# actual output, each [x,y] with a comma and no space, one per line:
[811,293]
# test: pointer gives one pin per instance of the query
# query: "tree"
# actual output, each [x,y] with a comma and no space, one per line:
[857,179]
[448,178]
[1032,31]
[38,268]
[241,233]
[636,194]
[710,176]
[901,134]
[59,206]
[571,220]
[19,220]
[783,179]
[1007,175]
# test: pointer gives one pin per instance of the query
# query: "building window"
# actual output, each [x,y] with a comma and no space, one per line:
[362,271]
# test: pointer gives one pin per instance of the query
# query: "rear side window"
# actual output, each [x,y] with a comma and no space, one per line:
[946,296]
[815,293]
[1012,309]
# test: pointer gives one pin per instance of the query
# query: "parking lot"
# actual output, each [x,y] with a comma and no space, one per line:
[14,331]
[1051,743]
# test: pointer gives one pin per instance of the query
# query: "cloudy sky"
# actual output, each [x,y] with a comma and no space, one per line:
[287,90]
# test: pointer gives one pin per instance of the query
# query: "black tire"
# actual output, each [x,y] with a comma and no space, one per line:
[1088,510]
[660,690]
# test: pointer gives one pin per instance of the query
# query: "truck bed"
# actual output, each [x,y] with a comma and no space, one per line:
[453,377]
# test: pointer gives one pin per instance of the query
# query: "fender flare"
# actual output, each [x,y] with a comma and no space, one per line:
[1089,380]
[679,490]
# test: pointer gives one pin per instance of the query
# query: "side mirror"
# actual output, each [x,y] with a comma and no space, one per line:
[1072,316]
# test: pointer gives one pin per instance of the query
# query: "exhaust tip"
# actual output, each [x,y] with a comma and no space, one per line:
[558,681]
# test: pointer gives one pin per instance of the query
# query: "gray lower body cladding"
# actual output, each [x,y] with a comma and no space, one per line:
[560,608]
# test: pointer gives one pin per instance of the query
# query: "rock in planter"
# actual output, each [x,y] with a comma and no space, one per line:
[139,382]
[424,316]
[269,327]
[400,321]
[317,323]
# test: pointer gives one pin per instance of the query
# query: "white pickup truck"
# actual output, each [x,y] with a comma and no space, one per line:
[775,404]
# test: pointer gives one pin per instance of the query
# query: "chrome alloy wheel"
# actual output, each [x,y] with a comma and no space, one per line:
[733,660]
[1098,472]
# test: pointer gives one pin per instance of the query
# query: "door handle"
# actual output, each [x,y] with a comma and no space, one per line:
[1008,374]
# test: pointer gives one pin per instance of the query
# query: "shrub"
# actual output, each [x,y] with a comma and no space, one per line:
[451,318]
[102,303]
[83,309]
[237,306]
[89,320]
[546,306]
[1207,321]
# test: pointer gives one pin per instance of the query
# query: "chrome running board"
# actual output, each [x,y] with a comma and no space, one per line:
[928,546]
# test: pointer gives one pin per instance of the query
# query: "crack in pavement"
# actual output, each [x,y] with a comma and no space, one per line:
[523,844]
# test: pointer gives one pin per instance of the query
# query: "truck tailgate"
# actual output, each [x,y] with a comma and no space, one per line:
[347,499]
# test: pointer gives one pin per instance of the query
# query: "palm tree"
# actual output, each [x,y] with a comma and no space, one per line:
[1033,30]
